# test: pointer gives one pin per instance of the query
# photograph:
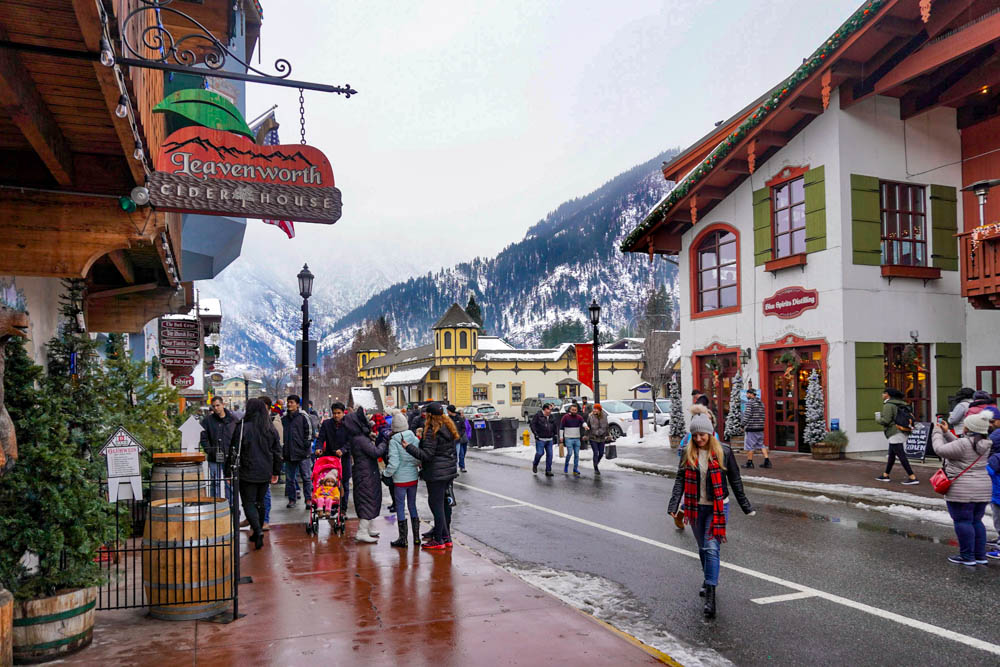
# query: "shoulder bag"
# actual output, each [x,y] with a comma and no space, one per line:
[940,482]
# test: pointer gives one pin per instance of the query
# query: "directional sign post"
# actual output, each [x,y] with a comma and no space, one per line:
[190,435]
[121,452]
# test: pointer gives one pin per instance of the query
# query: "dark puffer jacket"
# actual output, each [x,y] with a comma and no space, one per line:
[365,472]
[730,478]
[297,433]
[544,428]
[260,452]
[217,434]
[437,455]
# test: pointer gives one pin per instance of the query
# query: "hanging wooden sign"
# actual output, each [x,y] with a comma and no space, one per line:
[791,302]
[214,172]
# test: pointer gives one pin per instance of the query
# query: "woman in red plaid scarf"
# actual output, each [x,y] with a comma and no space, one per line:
[701,492]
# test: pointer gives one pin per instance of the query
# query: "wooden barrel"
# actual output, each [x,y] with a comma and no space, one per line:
[174,480]
[6,627]
[51,628]
[187,558]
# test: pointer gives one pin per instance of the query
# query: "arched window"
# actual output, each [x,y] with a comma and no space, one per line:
[447,340]
[463,339]
[715,272]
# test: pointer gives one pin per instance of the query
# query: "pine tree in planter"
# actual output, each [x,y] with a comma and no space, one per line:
[815,412]
[734,420]
[676,411]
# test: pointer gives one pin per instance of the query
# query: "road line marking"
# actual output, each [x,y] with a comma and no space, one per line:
[860,606]
[801,595]
[497,507]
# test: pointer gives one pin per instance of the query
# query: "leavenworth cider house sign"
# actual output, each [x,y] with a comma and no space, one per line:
[121,453]
[215,172]
[791,302]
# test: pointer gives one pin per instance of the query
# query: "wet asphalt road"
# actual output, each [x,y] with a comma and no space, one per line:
[868,558]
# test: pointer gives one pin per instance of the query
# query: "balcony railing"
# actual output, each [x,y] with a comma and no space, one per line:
[981,269]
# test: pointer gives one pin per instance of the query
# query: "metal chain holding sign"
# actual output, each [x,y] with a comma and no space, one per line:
[302,116]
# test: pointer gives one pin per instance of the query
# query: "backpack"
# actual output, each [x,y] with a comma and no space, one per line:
[904,419]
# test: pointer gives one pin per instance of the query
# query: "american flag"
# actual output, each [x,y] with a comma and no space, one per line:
[270,125]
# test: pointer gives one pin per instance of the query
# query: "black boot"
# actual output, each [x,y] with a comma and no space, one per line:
[404,532]
[709,601]
[416,533]
[701,593]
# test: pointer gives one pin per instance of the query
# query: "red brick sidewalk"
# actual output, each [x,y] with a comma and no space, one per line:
[332,601]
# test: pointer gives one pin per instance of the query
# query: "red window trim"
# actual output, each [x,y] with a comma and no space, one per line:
[908,271]
[785,175]
[693,272]
[799,259]
[926,216]
[791,340]
[714,349]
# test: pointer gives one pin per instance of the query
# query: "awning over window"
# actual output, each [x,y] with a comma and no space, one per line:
[407,376]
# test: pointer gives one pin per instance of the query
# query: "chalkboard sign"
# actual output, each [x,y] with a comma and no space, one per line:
[919,440]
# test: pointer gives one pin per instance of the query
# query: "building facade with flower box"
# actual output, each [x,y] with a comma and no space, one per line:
[824,228]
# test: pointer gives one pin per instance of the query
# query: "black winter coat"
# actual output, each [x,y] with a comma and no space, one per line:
[546,428]
[459,421]
[438,457]
[731,478]
[260,454]
[217,434]
[365,473]
[333,436]
[297,432]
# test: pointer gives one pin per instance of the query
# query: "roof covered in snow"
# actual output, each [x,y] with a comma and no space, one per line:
[408,375]
[493,343]
[210,307]
[456,317]
[410,356]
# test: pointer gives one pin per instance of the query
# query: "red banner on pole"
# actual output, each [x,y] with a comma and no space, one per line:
[585,364]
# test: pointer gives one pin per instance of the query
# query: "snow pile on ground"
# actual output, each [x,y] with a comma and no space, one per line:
[934,516]
[613,604]
[871,492]
[653,439]
[528,454]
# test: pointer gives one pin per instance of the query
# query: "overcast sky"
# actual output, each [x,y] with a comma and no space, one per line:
[476,118]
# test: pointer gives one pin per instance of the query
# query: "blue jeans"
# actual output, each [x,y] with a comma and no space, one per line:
[216,473]
[969,528]
[303,470]
[462,447]
[708,546]
[543,446]
[572,449]
[405,496]
[267,504]
[598,449]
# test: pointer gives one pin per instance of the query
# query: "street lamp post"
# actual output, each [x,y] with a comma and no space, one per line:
[595,319]
[305,291]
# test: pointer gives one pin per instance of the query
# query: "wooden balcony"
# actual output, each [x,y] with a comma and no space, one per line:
[981,270]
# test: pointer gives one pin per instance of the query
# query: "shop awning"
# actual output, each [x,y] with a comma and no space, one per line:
[407,376]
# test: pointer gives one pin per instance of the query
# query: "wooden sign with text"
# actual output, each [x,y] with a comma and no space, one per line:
[791,302]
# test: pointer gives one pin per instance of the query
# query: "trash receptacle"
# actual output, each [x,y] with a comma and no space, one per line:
[482,436]
[504,432]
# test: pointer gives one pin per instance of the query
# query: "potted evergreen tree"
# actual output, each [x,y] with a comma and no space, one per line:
[676,414]
[822,443]
[733,432]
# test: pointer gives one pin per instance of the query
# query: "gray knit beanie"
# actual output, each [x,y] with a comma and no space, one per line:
[399,423]
[701,424]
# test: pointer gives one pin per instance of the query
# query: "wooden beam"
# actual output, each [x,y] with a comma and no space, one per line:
[943,14]
[849,69]
[987,76]
[710,192]
[90,27]
[118,291]
[767,138]
[900,27]
[808,105]
[128,313]
[737,166]
[26,108]
[123,264]
[941,52]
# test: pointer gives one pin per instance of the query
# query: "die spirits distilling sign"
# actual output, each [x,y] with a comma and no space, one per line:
[201,170]
[791,302]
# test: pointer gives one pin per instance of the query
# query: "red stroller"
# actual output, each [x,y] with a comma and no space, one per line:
[321,467]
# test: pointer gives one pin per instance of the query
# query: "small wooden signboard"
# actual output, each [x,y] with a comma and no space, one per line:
[121,452]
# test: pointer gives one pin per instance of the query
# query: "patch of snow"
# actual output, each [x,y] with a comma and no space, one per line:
[675,353]
[614,604]
[882,494]
[659,439]
[934,516]
[407,375]
[487,343]
[364,397]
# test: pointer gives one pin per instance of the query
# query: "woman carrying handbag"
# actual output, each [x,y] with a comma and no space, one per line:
[966,485]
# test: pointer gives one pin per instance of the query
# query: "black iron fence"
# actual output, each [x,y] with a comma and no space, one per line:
[176,551]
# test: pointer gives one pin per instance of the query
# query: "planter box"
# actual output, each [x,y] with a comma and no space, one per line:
[50,628]
[825,452]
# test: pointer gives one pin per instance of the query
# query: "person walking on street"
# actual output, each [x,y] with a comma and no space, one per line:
[267,494]
[544,427]
[598,430]
[403,469]
[993,469]
[958,415]
[571,430]
[705,475]
[964,462]
[217,433]
[585,408]
[438,455]
[259,463]
[297,450]
[367,485]
[892,407]
[980,401]
[334,441]
[463,442]
[753,426]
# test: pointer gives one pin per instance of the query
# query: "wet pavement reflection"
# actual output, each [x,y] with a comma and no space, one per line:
[847,522]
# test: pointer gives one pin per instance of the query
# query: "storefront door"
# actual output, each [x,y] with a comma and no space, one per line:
[785,398]
[715,374]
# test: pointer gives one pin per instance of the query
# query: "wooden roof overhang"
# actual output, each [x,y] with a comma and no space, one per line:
[946,60]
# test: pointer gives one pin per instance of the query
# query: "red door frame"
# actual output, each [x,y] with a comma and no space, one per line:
[995,371]
[763,368]
[715,349]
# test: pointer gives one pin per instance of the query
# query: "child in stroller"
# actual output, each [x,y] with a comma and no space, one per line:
[327,492]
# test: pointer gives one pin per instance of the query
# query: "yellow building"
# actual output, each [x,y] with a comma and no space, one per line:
[234,392]
[464,367]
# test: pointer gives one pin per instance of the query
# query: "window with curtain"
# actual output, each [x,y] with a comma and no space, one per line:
[718,273]
[904,229]
[788,221]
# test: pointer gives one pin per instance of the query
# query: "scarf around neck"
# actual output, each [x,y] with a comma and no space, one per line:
[715,493]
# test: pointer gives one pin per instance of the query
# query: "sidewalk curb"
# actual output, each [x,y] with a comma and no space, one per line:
[764,485]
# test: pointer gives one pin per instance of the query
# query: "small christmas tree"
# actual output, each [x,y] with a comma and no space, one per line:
[734,420]
[815,411]
[676,411]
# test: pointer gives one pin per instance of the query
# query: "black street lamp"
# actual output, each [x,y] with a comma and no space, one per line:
[305,291]
[595,319]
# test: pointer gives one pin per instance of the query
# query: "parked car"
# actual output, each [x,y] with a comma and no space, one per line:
[662,408]
[481,411]
[619,416]
[531,406]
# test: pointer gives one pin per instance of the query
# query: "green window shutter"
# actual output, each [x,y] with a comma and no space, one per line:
[761,226]
[869,382]
[948,365]
[944,226]
[815,210]
[866,220]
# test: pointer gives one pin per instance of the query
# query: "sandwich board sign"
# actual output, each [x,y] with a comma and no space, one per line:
[121,452]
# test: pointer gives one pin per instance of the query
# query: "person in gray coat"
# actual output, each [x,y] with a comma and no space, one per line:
[965,461]
[598,430]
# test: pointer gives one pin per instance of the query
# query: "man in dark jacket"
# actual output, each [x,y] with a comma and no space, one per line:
[217,432]
[545,427]
[296,449]
[463,442]
[334,441]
